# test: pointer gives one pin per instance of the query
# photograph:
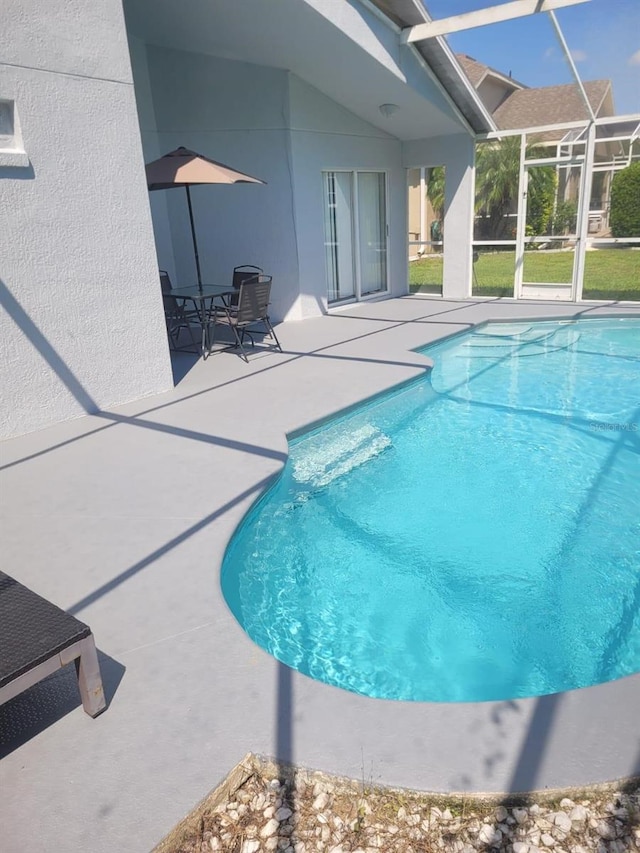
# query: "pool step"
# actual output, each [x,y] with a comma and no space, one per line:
[530,336]
[525,345]
[326,462]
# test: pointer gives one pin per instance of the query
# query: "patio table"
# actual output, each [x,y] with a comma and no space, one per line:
[202,297]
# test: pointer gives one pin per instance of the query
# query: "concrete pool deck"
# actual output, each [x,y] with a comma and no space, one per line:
[122,518]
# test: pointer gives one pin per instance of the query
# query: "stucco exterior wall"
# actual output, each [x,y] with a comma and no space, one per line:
[457,154]
[324,136]
[152,149]
[82,326]
[271,124]
[275,124]
[236,113]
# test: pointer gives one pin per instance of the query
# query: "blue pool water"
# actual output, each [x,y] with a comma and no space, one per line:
[472,536]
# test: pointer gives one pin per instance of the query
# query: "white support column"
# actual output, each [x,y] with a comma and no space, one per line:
[523,184]
[583,215]
[458,223]
[423,210]
[457,154]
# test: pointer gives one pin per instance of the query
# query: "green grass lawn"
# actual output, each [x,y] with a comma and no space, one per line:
[609,273]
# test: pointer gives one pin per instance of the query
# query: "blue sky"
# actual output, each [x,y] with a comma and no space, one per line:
[603,35]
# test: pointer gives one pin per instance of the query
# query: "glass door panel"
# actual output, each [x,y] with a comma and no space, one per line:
[338,218]
[372,232]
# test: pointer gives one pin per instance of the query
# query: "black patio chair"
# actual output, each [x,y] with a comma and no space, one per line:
[246,272]
[176,316]
[250,312]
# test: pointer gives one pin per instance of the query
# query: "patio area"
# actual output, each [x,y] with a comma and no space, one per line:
[122,519]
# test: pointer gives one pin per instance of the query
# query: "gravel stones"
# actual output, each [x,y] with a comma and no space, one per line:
[270,828]
[304,812]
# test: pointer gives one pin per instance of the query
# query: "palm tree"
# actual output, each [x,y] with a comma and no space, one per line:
[435,191]
[497,175]
[435,194]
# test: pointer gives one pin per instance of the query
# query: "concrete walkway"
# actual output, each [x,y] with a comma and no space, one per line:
[122,518]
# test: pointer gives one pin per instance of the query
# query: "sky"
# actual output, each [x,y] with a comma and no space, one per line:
[603,36]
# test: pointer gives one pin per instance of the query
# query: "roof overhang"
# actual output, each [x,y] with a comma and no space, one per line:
[351,51]
[440,59]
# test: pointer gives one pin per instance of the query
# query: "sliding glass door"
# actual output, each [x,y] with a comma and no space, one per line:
[338,216]
[355,234]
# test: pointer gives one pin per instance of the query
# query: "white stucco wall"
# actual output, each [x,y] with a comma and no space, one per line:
[275,124]
[457,154]
[152,149]
[82,326]
[271,124]
[324,136]
[236,113]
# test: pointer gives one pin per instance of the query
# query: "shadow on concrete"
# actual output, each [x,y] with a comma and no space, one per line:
[526,769]
[181,364]
[168,546]
[285,750]
[35,709]
[69,379]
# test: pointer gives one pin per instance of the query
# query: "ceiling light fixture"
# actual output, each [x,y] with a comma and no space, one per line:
[388,110]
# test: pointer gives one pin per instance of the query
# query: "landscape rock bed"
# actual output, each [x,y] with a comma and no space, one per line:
[261,808]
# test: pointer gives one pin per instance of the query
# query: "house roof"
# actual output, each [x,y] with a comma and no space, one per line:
[477,71]
[550,105]
[474,70]
[535,107]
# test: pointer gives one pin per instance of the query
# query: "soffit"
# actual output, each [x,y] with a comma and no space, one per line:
[352,57]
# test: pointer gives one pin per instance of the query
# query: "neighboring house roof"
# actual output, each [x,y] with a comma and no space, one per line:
[474,70]
[550,105]
[477,71]
[442,62]
[535,107]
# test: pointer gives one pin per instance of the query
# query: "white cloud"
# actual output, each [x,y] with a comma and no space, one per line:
[634,59]
[549,52]
[578,55]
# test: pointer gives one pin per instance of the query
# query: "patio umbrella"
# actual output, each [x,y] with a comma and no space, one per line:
[184,168]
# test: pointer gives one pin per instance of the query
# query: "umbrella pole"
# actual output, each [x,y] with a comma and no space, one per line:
[193,235]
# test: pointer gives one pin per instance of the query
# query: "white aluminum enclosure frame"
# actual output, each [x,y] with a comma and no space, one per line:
[588,138]
[511,11]
[424,237]
[483,17]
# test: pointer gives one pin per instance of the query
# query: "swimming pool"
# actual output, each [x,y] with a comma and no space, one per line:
[472,536]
